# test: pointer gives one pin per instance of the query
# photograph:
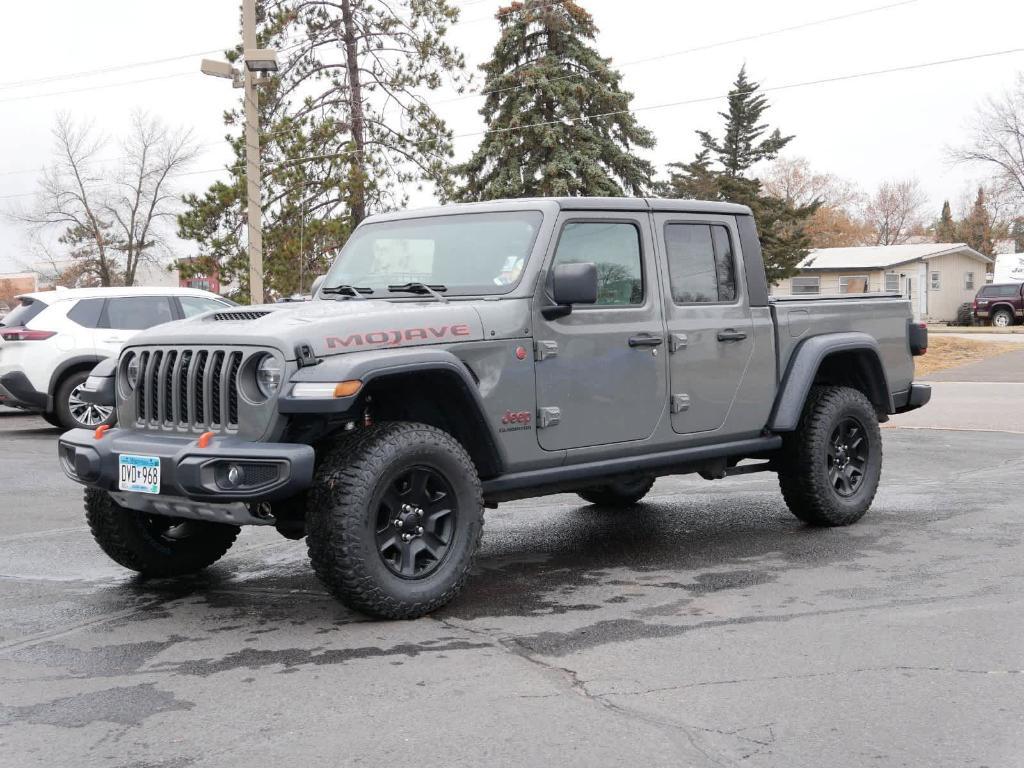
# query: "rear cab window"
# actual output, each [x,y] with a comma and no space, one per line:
[24,313]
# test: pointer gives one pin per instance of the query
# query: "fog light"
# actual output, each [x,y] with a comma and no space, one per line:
[231,476]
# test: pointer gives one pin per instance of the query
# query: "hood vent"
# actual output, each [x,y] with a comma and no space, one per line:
[239,315]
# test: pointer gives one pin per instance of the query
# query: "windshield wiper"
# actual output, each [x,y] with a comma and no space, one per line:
[422,289]
[347,290]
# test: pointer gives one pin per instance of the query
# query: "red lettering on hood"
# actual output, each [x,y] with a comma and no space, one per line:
[397,337]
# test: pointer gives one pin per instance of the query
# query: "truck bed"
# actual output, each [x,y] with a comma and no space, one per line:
[883,316]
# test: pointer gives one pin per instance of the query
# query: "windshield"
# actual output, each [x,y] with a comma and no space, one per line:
[23,313]
[468,253]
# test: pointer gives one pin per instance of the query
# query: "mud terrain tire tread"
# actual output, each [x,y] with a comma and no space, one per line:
[345,481]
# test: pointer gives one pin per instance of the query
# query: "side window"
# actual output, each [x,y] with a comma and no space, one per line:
[701,263]
[136,313]
[197,305]
[968,281]
[1009,291]
[87,312]
[615,248]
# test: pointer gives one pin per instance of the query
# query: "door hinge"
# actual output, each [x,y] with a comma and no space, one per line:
[548,417]
[680,403]
[677,341]
[545,349]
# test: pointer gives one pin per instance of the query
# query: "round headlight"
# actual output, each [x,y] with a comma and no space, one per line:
[131,371]
[268,375]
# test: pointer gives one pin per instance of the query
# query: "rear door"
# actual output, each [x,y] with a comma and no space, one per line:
[124,316]
[707,313]
[601,373]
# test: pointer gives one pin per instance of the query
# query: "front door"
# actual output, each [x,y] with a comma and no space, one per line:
[601,371]
[707,312]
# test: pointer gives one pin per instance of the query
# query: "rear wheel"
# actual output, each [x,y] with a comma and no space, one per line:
[1002,318]
[620,493]
[155,545]
[830,466]
[394,519]
[72,412]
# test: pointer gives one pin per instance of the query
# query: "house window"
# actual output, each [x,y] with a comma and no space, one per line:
[968,281]
[892,282]
[853,284]
[936,281]
[806,285]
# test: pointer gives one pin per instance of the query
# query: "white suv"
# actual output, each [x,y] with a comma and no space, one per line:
[51,340]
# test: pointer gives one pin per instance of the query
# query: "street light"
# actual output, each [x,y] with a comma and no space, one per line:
[259,63]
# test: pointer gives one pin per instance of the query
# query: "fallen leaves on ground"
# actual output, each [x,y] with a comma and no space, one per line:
[946,353]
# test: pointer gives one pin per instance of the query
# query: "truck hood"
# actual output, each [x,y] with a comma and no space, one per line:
[329,327]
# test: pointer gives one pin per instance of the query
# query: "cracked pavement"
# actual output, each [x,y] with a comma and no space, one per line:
[705,627]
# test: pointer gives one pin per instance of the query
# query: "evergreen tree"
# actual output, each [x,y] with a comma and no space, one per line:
[976,229]
[945,229]
[1017,234]
[722,170]
[741,146]
[345,132]
[558,122]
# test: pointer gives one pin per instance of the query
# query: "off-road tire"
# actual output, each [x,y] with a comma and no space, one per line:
[343,512]
[134,539]
[621,493]
[62,410]
[1007,314]
[804,462]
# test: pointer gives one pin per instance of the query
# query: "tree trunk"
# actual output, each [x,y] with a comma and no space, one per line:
[357,164]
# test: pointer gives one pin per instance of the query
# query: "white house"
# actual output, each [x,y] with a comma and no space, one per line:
[936,277]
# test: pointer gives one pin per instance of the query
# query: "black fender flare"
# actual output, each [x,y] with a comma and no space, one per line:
[804,365]
[374,365]
[78,361]
[993,308]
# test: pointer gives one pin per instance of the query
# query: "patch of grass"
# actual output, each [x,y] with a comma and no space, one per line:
[946,353]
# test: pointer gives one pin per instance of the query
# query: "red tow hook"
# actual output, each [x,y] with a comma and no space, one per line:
[205,438]
[101,431]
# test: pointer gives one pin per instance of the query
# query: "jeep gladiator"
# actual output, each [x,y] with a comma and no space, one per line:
[459,357]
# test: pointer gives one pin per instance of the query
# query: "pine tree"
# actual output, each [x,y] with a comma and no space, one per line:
[346,130]
[976,228]
[1017,234]
[722,170]
[945,229]
[558,121]
[741,146]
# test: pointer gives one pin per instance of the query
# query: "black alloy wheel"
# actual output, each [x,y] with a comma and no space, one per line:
[415,523]
[848,456]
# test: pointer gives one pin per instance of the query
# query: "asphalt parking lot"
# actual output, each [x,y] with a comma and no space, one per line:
[705,627]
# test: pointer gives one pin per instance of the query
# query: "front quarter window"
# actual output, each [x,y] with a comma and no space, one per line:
[468,253]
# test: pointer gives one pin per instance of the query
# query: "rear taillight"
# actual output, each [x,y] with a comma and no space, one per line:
[25,334]
[918,337]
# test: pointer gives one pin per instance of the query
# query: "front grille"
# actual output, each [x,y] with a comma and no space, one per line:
[194,389]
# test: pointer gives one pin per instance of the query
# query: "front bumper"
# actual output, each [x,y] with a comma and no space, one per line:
[916,397]
[17,391]
[269,471]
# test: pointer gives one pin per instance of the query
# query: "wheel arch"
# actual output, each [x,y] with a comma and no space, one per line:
[66,368]
[838,359]
[431,386]
[1002,305]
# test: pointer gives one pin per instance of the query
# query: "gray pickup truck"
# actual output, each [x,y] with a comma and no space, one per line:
[456,358]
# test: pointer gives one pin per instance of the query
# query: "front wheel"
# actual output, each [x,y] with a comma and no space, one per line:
[830,466]
[155,545]
[394,519]
[1002,318]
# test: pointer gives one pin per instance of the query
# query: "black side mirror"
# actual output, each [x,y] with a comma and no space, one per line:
[572,284]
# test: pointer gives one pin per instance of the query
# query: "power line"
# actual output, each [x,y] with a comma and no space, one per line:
[696,49]
[95,87]
[102,70]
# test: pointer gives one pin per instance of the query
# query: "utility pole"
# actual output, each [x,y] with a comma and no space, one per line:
[253,171]
[259,65]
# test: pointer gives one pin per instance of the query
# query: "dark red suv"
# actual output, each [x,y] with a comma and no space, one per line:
[1000,304]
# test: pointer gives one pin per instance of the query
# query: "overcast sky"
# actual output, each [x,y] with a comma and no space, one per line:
[869,129]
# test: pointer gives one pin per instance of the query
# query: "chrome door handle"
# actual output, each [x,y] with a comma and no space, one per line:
[645,340]
[731,335]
